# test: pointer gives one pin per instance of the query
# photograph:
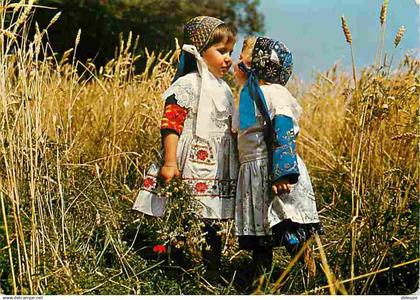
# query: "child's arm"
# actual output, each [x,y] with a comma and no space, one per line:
[285,169]
[171,128]
[170,169]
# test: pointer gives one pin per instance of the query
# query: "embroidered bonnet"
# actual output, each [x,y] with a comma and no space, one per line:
[271,61]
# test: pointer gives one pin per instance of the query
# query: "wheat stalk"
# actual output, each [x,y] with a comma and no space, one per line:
[346,30]
[382,20]
[127,47]
[24,15]
[384,11]
[54,19]
[399,36]
[349,40]
[77,41]
[332,281]
[9,248]
[315,290]
[397,40]
[289,267]
[16,6]
[37,39]
[9,34]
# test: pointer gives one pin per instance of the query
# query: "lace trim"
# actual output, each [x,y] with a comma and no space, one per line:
[185,90]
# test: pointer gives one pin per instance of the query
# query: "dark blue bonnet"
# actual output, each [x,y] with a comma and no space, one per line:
[271,62]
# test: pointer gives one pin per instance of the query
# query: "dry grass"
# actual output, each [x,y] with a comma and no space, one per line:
[75,141]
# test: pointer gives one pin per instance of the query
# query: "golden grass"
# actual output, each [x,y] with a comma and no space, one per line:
[75,141]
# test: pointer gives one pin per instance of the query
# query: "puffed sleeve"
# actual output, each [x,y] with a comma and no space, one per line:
[282,102]
[173,117]
[179,98]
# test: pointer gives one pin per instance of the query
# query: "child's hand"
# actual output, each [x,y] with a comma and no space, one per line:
[169,172]
[281,186]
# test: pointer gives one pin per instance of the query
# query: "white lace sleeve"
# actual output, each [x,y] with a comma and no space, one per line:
[185,89]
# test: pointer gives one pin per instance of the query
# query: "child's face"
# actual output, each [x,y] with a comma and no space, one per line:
[218,57]
[245,57]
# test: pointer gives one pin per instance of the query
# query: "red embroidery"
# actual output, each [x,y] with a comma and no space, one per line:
[149,182]
[202,154]
[174,117]
[200,187]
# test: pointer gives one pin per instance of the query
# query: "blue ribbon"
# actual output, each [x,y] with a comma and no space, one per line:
[180,71]
[187,64]
[251,89]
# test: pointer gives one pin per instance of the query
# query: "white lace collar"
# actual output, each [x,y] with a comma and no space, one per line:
[212,90]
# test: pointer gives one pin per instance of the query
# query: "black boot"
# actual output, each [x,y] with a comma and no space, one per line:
[262,259]
[212,253]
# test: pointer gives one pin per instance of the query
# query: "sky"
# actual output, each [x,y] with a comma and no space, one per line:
[311,29]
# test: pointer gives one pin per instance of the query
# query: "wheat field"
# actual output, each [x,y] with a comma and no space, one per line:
[75,141]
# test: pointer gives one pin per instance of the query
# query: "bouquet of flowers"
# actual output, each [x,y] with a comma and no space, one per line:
[181,226]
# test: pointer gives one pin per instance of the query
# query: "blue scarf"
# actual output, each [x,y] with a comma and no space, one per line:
[250,91]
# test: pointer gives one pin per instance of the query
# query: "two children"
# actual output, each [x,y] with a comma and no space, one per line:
[200,148]
[196,131]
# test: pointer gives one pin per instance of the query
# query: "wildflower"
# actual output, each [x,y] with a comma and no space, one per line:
[159,249]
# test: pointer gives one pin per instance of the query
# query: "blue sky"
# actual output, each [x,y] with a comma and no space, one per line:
[311,29]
